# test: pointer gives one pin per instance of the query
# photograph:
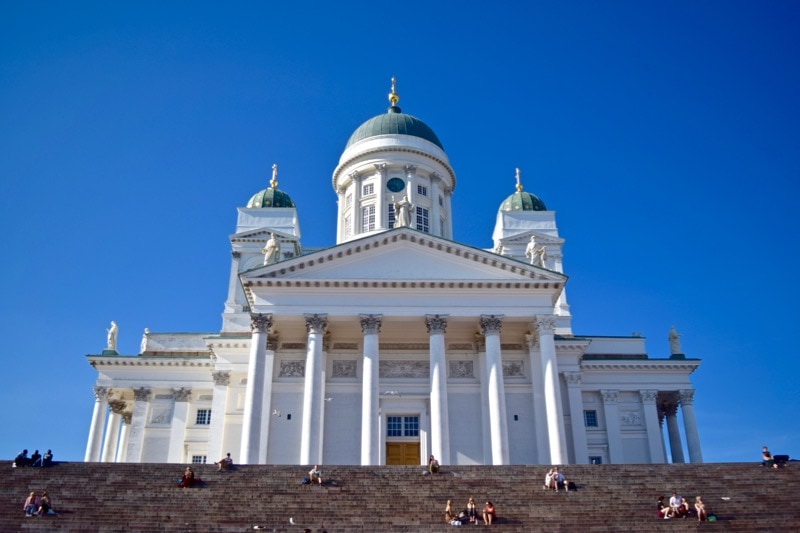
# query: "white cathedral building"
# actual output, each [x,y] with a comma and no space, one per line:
[395,343]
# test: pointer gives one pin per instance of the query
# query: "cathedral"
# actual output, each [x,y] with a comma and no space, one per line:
[396,342]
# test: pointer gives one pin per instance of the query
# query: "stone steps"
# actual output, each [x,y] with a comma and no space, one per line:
[145,497]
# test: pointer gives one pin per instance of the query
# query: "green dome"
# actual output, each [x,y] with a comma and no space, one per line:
[270,197]
[394,122]
[523,201]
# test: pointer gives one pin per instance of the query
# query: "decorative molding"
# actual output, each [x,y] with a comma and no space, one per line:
[182,394]
[260,322]
[404,346]
[371,324]
[206,397]
[316,323]
[610,396]
[148,361]
[292,369]
[630,418]
[293,346]
[545,324]
[573,379]
[686,396]
[117,406]
[436,324]
[514,368]
[461,346]
[511,346]
[142,394]
[161,415]
[344,368]
[648,396]
[345,346]
[404,369]
[462,369]
[221,377]
[491,324]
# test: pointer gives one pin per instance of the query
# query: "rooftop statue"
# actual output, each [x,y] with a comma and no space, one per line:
[537,254]
[112,336]
[402,213]
[674,341]
[271,250]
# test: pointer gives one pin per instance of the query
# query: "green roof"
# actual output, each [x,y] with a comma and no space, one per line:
[523,201]
[270,197]
[394,122]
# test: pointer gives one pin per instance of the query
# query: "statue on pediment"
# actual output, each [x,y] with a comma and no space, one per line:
[535,253]
[271,250]
[674,342]
[111,337]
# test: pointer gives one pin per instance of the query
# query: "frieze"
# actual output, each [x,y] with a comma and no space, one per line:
[511,347]
[461,346]
[292,369]
[513,369]
[344,368]
[404,346]
[293,346]
[345,346]
[404,369]
[206,397]
[164,396]
[161,415]
[462,369]
[630,418]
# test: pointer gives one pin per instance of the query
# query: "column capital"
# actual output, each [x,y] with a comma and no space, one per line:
[545,324]
[610,396]
[411,170]
[491,324]
[573,379]
[686,396]
[182,394]
[435,177]
[117,406]
[260,322]
[141,394]
[371,324]
[381,168]
[236,255]
[648,396]
[221,377]
[436,324]
[668,408]
[355,176]
[126,417]
[316,323]
[101,392]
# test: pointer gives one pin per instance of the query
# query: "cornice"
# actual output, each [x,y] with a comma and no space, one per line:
[379,149]
[150,361]
[640,364]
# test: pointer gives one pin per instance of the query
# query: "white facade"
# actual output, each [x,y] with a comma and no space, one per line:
[393,344]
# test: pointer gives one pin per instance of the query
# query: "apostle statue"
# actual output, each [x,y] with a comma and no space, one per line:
[535,253]
[143,346]
[402,213]
[674,342]
[271,250]
[112,336]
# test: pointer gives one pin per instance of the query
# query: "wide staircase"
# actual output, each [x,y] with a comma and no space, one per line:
[145,497]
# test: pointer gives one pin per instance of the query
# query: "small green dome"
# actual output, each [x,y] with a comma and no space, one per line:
[270,197]
[523,201]
[394,122]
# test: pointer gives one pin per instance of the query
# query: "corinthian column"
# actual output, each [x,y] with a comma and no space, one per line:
[546,328]
[498,425]
[141,399]
[98,421]
[575,396]
[611,412]
[690,426]
[216,428]
[311,429]
[440,426]
[654,438]
[112,431]
[124,434]
[370,427]
[670,410]
[177,430]
[254,393]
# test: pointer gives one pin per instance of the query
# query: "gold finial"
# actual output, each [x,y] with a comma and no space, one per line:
[519,185]
[393,96]
[274,181]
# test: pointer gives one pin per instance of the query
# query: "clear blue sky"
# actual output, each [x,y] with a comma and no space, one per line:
[666,136]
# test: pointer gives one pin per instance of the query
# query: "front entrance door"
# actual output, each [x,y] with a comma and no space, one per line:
[402,453]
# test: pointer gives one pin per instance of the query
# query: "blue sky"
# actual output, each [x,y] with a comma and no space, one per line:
[666,136]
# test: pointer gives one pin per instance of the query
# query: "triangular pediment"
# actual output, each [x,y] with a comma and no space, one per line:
[405,255]
[524,238]
[261,234]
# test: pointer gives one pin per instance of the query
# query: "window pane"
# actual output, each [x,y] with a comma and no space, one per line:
[203,417]
[590,419]
[422,220]
[394,427]
[412,426]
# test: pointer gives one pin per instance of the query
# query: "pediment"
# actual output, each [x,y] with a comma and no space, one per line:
[525,237]
[261,234]
[405,255]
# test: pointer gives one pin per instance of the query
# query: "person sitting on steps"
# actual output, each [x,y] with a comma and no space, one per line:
[315,474]
[225,463]
[433,465]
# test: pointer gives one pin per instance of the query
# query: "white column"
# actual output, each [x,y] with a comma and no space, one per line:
[266,398]
[311,436]
[370,423]
[436,209]
[611,412]
[670,410]
[690,426]
[141,397]
[219,403]
[381,206]
[177,430]
[654,440]
[411,189]
[111,442]
[539,413]
[355,178]
[575,396]
[124,434]
[98,421]
[440,423]
[546,328]
[491,324]
[253,417]
[233,284]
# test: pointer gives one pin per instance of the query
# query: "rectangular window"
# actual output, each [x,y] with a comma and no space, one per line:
[394,426]
[348,227]
[368,218]
[441,201]
[422,219]
[391,215]
[441,227]
[595,460]
[411,426]
[422,190]
[203,417]
[367,189]
[348,201]
[198,459]
[590,419]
